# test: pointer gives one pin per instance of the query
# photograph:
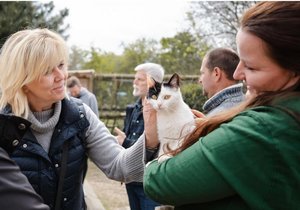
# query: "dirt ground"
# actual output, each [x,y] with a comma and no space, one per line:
[112,194]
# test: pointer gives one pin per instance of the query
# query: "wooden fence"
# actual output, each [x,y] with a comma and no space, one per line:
[114,92]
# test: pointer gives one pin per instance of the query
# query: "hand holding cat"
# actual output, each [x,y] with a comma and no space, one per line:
[150,125]
[198,114]
[120,135]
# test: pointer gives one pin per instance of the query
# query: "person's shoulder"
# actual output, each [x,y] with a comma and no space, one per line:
[85,90]
[267,117]
[258,112]
[87,93]
[254,123]
[133,105]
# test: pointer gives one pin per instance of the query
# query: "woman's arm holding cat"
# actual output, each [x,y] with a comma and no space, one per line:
[150,125]
[150,131]
[121,136]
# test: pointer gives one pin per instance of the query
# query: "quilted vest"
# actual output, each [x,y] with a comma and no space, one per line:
[43,170]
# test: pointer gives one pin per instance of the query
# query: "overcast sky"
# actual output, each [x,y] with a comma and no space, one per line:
[107,23]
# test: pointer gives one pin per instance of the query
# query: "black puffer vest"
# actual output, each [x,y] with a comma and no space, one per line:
[43,170]
[12,129]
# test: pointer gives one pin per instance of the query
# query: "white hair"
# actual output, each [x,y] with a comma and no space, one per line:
[154,70]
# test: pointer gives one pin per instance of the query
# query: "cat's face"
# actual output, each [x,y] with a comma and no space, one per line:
[165,96]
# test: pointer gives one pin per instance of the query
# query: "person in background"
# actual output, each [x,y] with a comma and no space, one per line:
[247,157]
[78,91]
[218,84]
[15,190]
[64,132]
[134,128]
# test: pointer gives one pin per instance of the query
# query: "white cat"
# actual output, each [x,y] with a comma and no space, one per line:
[175,119]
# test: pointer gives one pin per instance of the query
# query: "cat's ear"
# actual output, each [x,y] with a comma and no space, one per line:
[150,81]
[174,81]
[154,90]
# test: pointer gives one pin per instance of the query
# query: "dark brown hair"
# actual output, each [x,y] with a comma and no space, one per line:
[224,58]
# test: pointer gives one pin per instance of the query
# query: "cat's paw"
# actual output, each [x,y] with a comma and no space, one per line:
[163,157]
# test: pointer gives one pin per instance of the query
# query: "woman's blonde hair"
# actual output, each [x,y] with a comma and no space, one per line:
[26,56]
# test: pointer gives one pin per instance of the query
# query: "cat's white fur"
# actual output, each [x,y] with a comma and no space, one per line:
[175,119]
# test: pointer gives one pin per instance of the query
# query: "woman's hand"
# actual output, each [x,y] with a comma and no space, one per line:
[150,125]
[120,135]
[198,114]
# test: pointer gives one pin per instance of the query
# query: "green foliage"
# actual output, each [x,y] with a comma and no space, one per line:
[140,51]
[18,15]
[102,62]
[192,95]
[45,18]
[182,53]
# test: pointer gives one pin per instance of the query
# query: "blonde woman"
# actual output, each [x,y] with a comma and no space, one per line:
[63,132]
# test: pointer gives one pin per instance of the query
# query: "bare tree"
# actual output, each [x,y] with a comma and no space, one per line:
[217,21]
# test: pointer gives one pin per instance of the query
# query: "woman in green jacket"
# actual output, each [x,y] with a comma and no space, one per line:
[248,157]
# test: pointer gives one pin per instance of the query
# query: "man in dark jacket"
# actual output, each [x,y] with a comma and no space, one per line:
[134,128]
[16,192]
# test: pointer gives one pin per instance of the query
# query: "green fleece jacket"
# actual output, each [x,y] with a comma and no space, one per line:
[251,162]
